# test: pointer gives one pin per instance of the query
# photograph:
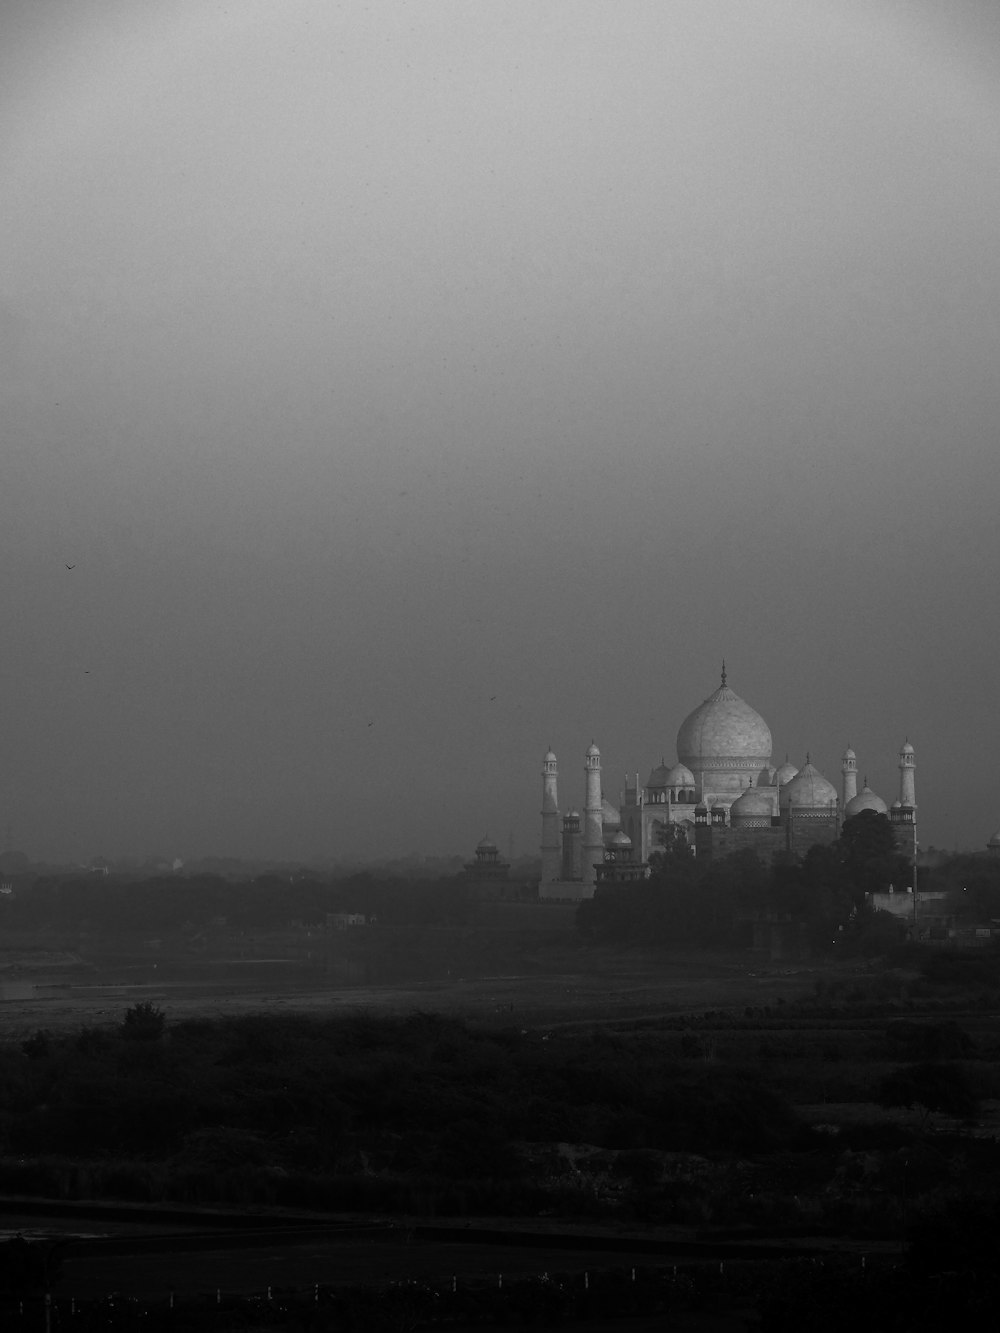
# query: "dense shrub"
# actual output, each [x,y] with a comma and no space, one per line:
[38,1045]
[426,1114]
[144,1022]
[910,1040]
[938,1086]
[424,1099]
[963,969]
[960,1235]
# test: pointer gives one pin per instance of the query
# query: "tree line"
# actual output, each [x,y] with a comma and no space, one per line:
[122,905]
[713,902]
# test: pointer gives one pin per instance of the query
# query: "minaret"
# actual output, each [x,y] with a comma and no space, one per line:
[903,815]
[551,840]
[571,846]
[593,818]
[849,770]
[907,774]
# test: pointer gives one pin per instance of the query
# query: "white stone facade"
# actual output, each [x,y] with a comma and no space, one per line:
[723,778]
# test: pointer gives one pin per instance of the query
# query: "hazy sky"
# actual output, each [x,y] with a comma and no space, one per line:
[413,386]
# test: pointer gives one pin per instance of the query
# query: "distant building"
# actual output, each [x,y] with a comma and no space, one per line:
[722,796]
[620,864]
[932,918]
[920,911]
[345,920]
[488,866]
[487,877]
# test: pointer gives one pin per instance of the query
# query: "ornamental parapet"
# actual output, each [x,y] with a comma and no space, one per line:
[752,764]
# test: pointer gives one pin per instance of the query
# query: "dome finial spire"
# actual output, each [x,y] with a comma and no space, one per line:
[723,673]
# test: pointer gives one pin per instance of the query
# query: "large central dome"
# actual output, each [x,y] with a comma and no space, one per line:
[724,733]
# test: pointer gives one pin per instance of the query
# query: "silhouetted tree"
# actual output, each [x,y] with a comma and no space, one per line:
[936,1085]
[870,856]
[144,1022]
[38,1045]
[27,1267]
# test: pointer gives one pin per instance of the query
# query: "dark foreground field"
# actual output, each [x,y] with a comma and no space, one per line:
[418,1278]
[392,1277]
[658,1110]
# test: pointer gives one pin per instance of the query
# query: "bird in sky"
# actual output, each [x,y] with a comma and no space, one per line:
[71,566]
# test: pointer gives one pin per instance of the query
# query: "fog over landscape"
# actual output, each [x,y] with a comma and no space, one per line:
[390,392]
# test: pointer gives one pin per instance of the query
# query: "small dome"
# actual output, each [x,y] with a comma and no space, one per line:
[752,802]
[907,748]
[486,845]
[592,751]
[549,757]
[995,840]
[865,800]
[659,777]
[609,815]
[849,754]
[785,774]
[621,840]
[808,790]
[680,776]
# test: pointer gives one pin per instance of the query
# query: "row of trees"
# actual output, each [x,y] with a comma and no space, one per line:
[274,1108]
[684,1122]
[711,902]
[686,901]
[159,906]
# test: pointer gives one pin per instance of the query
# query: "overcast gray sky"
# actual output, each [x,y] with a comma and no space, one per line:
[416,385]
